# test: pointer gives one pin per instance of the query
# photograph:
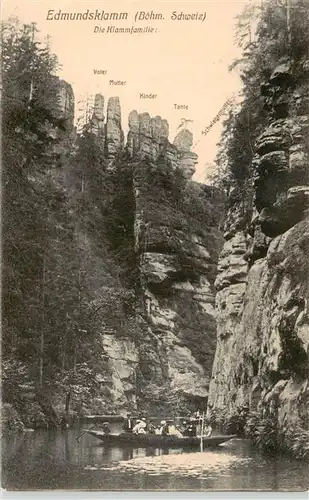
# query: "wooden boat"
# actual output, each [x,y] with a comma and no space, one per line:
[157,441]
[120,418]
[96,419]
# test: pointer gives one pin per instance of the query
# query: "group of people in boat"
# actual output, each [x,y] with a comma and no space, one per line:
[187,427]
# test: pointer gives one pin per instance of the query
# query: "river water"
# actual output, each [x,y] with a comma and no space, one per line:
[56,460]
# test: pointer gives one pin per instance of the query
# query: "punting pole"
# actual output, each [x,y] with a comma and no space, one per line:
[90,429]
[202,431]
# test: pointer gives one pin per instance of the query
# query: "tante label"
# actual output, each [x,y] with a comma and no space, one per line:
[181,106]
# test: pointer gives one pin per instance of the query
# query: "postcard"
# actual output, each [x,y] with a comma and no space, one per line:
[155,245]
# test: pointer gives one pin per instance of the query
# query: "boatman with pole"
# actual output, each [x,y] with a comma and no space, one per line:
[202,432]
[128,423]
[207,429]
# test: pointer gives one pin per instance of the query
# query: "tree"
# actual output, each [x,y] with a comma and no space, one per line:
[280,31]
[48,329]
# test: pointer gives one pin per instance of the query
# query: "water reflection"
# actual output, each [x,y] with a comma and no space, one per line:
[53,460]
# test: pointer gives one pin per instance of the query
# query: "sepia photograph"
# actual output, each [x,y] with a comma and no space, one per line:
[155,246]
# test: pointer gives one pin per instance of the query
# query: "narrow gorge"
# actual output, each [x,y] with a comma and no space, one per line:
[127,285]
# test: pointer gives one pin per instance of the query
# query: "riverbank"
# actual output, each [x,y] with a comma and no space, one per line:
[263,430]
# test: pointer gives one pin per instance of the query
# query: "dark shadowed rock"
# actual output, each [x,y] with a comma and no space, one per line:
[286,212]
[281,74]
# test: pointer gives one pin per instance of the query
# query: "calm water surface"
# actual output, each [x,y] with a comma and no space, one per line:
[56,460]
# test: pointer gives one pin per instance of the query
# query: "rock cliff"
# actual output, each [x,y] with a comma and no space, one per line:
[63,109]
[261,360]
[114,133]
[176,244]
[97,123]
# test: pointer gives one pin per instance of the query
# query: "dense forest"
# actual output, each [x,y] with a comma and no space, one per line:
[51,343]
[281,36]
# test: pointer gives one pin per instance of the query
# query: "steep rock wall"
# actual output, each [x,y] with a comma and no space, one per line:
[261,360]
[176,243]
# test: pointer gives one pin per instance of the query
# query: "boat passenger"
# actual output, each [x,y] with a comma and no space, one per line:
[139,428]
[192,428]
[164,428]
[207,429]
[184,428]
[128,423]
[151,428]
[172,429]
[143,425]
[105,428]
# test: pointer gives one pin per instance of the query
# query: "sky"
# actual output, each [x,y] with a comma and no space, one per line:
[183,62]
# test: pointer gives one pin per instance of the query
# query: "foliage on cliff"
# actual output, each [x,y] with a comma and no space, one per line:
[264,432]
[183,207]
[281,35]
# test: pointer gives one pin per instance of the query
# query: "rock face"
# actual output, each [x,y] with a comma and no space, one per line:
[63,106]
[147,137]
[63,109]
[177,255]
[184,140]
[97,123]
[261,359]
[176,243]
[122,365]
[66,102]
[114,133]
